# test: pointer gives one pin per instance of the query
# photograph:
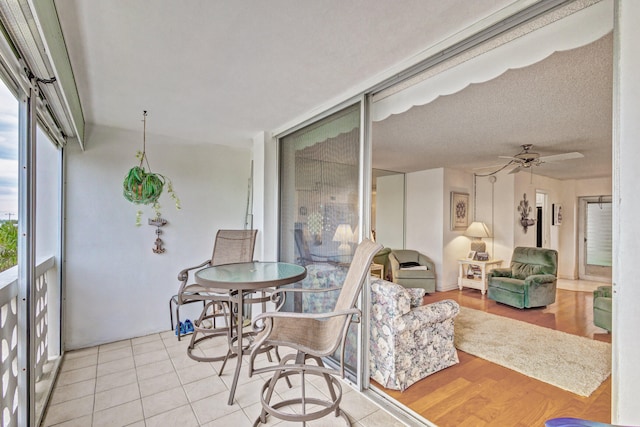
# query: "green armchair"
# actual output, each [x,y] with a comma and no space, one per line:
[412,269]
[602,307]
[530,281]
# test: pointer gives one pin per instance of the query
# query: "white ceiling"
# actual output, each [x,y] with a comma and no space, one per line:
[222,71]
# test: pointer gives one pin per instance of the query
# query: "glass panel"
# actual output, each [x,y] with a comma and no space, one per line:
[319,208]
[9,253]
[599,238]
[47,284]
[8,178]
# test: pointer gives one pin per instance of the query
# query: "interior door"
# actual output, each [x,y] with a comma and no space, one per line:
[595,238]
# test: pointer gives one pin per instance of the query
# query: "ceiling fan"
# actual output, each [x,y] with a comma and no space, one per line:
[527,159]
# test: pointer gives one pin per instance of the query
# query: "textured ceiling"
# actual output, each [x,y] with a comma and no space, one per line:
[223,71]
[560,104]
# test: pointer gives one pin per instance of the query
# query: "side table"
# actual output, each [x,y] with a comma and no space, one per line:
[479,275]
[376,270]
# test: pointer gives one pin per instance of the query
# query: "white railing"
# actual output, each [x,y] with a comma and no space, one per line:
[9,335]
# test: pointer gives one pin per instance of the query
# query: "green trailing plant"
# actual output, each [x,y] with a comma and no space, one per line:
[144,188]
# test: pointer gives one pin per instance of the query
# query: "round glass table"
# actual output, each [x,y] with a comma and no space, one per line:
[242,279]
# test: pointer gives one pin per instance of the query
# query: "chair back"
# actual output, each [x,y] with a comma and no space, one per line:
[302,246]
[233,246]
[356,274]
[526,261]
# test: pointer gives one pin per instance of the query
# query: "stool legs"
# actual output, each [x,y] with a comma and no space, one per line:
[299,367]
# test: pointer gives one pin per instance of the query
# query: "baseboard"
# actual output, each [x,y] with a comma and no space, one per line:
[447,288]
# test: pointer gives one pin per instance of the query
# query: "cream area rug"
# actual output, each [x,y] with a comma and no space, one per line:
[570,362]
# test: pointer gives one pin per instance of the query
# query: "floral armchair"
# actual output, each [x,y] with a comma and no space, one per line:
[408,341]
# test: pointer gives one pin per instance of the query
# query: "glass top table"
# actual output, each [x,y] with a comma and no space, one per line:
[242,279]
[250,275]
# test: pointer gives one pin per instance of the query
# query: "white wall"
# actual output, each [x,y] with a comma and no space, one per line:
[424,216]
[626,204]
[496,204]
[116,286]
[455,243]
[390,211]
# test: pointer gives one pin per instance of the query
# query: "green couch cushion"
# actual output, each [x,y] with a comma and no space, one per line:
[415,274]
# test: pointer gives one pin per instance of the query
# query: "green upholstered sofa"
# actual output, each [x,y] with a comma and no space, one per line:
[530,281]
[423,275]
[602,303]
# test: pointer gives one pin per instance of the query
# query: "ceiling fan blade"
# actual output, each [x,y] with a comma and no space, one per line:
[490,170]
[509,157]
[516,170]
[563,156]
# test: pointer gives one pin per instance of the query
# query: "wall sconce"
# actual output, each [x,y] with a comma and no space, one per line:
[525,210]
[477,230]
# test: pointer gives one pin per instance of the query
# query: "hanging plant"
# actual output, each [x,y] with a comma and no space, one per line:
[144,188]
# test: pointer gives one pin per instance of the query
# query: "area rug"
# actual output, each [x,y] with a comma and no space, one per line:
[570,362]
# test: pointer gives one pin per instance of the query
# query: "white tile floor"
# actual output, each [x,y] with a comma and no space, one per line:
[150,381]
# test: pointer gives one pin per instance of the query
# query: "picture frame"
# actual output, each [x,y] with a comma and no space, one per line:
[459,211]
[556,214]
[471,255]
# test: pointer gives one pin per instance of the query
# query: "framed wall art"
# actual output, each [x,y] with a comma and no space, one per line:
[556,217]
[459,211]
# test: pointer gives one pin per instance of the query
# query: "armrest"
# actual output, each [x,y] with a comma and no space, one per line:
[278,296]
[183,276]
[394,264]
[388,300]
[538,279]
[436,312]
[499,272]
[425,260]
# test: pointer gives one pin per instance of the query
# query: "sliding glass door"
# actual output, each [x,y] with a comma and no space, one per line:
[596,238]
[320,205]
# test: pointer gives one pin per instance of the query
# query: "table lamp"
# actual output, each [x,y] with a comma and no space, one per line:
[477,230]
[344,235]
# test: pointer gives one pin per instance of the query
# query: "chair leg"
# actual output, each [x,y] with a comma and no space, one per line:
[202,333]
[171,312]
[312,408]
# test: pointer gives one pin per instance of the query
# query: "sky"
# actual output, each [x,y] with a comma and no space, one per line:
[8,154]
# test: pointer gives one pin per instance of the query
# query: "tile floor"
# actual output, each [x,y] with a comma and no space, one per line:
[150,381]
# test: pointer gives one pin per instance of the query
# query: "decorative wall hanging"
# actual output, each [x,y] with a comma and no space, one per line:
[459,211]
[556,216]
[158,222]
[144,188]
[525,210]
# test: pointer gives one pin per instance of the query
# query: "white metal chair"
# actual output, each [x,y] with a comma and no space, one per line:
[313,336]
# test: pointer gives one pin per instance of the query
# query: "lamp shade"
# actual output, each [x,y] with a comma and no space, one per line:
[477,229]
[343,234]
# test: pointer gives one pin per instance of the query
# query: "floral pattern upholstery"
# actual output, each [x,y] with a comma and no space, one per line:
[407,341]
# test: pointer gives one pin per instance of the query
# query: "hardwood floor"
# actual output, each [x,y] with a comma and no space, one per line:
[476,392]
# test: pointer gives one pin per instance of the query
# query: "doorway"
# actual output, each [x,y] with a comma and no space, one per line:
[595,238]
[543,230]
